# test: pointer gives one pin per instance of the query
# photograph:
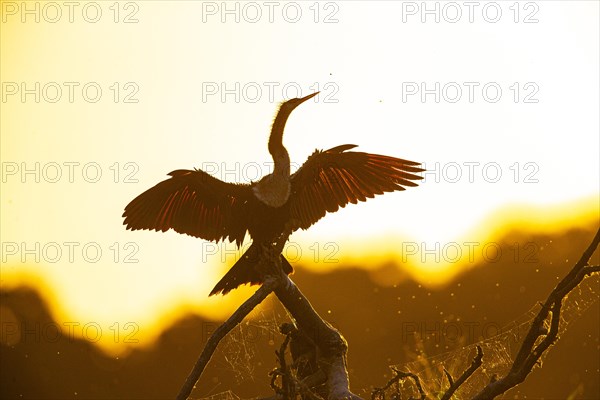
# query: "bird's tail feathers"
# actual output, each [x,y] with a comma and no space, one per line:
[244,271]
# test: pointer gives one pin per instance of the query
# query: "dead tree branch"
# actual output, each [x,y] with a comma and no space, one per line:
[292,383]
[286,390]
[454,385]
[306,373]
[331,344]
[539,339]
[379,393]
[221,332]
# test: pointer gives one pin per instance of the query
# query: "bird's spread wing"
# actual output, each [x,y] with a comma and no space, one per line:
[194,203]
[332,178]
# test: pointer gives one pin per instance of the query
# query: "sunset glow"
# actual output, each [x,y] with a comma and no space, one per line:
[93,114]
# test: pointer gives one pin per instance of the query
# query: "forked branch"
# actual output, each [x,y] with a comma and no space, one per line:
[539,339]
[332,346]
[454,385]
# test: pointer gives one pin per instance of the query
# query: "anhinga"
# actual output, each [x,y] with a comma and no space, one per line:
[200,205]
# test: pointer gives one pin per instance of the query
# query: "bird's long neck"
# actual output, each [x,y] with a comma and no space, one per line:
[280,155]
[274,189]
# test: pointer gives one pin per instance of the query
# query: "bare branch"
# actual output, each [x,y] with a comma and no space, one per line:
[331,344]
[400,375]
[286,390]
[237,317]
[477,361]
[290,382]
[532,348]
[449,377]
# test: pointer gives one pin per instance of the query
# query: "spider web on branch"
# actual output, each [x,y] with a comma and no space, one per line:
[242,346]
[228,395]
[498,351]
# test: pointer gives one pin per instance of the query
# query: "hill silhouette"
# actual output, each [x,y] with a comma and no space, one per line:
[378,322]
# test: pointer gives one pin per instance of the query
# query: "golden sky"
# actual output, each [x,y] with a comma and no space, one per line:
[100,100]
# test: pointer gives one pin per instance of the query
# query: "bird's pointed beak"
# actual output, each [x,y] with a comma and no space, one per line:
[310,96]
[295,102]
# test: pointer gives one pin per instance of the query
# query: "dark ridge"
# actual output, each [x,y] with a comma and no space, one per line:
[375,320]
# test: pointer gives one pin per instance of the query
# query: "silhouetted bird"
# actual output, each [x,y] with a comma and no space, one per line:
[197,204]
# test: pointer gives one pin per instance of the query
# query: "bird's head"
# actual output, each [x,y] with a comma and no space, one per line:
[291,104]
[275,140]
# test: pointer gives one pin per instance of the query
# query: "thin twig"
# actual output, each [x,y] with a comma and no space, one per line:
[304,388]
[477,361]
[449,377]
[290,374]
[400,375]
[237,317]
[286,385]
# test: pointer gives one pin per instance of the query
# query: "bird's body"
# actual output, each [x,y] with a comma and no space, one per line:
[195,203]
[266,223]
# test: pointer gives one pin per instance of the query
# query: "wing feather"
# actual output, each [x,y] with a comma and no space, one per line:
[332,178]
[193,203]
